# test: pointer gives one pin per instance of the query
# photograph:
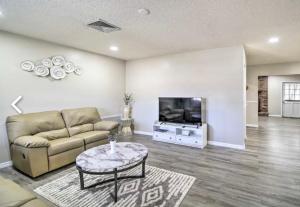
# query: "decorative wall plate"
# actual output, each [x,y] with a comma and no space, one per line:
[27,65]
[58,60]
[77,71]
[41,70]
[69,67]
[57,72]
[47,62]
[55,67]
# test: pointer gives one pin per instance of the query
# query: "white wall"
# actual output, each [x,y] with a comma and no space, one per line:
[217,74]
[275,92]
[102,83]
[252,82]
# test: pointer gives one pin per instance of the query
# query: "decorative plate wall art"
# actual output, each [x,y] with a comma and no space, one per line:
[47,62]
[69,67]
[55,67]
[27,65]
[77,71]
[58,60]
[41,70]
[57,72]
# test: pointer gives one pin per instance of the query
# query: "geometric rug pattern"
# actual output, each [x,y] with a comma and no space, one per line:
[160,187]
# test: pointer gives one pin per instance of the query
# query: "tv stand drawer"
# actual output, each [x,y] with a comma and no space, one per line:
[163,136]
[189,140]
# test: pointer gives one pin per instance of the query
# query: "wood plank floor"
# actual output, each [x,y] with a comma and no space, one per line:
[267,173]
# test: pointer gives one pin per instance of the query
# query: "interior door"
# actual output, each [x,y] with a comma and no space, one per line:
[291,99]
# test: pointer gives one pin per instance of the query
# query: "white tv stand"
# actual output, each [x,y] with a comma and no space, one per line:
[188,135]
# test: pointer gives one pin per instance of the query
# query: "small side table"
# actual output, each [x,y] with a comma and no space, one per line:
[126,126]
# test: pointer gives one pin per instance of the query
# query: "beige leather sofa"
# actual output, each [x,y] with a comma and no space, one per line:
[12,195]
[41,142]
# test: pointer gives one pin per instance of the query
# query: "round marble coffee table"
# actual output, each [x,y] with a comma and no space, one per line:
[100,161]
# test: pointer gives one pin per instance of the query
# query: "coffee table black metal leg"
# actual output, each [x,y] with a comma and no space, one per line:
[81,180]
[116,185]
[143,168]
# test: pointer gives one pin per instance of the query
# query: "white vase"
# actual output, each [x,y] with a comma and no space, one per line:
[126,112]
[112,146]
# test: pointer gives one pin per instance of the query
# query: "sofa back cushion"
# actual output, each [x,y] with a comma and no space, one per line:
[33,123]
[80,120]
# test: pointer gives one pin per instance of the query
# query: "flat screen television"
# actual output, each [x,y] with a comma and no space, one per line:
[180,110]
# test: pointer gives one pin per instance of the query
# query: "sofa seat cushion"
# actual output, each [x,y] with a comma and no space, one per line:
[64,144]
[92,136]
[106,125]
[11,194]
[54,134]
[80,129]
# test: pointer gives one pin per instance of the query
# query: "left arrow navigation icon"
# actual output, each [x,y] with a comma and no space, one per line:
[13,104]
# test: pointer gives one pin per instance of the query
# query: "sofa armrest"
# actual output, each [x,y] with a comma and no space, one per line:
[106,125]
[31,141]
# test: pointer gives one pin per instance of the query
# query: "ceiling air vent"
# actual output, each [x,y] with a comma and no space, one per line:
[104,26]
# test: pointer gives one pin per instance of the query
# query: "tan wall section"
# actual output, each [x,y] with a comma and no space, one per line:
[216,74]
[101,84]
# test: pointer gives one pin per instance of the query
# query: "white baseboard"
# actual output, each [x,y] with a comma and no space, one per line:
[252,125]
[5,164]
[143,133]
[111,116]
[274,115]
[223,144]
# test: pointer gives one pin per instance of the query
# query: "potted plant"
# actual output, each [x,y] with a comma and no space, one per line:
[127,108]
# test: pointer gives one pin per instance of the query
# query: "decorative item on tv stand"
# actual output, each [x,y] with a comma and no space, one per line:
[193,135]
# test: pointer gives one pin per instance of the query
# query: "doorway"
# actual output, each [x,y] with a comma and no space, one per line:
[263,96]
[279,96]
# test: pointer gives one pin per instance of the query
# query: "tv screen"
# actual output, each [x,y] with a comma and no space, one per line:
[180,110]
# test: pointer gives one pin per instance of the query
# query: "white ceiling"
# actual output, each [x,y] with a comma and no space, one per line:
[173,26]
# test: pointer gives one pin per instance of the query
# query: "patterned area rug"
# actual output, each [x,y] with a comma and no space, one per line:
[159,188]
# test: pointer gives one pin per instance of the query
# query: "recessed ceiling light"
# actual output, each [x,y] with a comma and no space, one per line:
[144,11]
[273,40]
[113,48]
[1,14]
